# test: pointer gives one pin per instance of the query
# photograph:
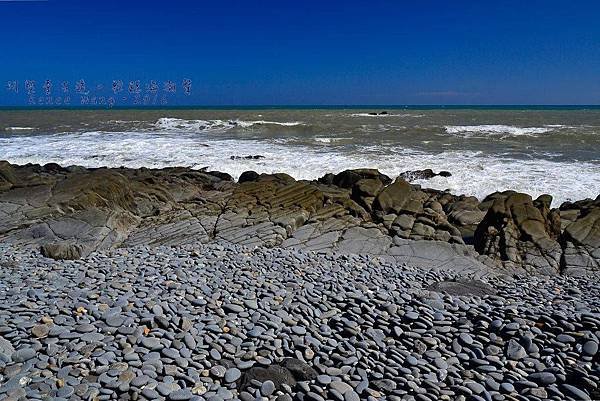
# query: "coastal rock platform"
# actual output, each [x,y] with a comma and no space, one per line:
[68,212]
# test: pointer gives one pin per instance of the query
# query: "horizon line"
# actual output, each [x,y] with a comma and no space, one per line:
[297,106]
[377,107]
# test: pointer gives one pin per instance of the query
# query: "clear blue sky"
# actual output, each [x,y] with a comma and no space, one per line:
[312,52]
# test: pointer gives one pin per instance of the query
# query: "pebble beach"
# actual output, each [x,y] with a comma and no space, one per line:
[226,322]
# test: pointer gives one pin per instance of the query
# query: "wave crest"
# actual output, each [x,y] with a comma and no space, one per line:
[178,124]
[505,130]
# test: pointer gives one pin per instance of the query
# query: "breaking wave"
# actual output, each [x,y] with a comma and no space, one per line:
[178,124]
[506,130]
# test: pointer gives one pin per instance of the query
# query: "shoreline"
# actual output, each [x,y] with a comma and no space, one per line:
[70,212]
[179,284]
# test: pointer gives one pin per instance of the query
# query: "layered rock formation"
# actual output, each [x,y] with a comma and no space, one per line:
[581,235]
[69,212]
[520,233]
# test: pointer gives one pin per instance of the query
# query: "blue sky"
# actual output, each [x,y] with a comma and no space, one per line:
[310,52]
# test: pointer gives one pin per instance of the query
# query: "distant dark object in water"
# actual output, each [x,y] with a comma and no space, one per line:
[249,157]
[374,113]
[462,287]
[426,174]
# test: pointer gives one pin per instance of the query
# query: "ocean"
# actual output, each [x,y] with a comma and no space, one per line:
[536,150]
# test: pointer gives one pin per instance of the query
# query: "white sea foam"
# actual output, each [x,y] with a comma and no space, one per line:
[19,129]
[387,115]
[178,124]
[263,122]
[329,140]
[473,173]
[505,130]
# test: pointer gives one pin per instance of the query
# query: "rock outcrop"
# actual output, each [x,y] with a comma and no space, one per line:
[581,236]
[426,174]
[68,212]
[7,176]
[520,234]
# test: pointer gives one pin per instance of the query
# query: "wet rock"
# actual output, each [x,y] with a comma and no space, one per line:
[248,176]
[348,178]
[426,174]
[299,369]
[248,157]
[276,374]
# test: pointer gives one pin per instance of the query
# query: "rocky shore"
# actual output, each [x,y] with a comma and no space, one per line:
[182,284]
[70,212]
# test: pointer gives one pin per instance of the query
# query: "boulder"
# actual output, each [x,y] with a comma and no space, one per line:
[248,176]
[581,238]
[275,373]
[397,198]
[221,176]
[301,370]
[418,214]
[365,190]
[347,178]
[551,216]
[327,179]
[7,176]
[62,251]
[515,232]
[53,168]
[465,213]
[278,177]
[585,231]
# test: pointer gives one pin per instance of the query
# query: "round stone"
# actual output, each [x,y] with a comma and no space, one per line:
[515,351]
[232,375]
[40,330]
[465,339]
[115,320]
[181,394]
[590,348]
[267,388]
[351,395]
[544,378]
[23,354]
[507,388]
[340,386]
[218,371]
